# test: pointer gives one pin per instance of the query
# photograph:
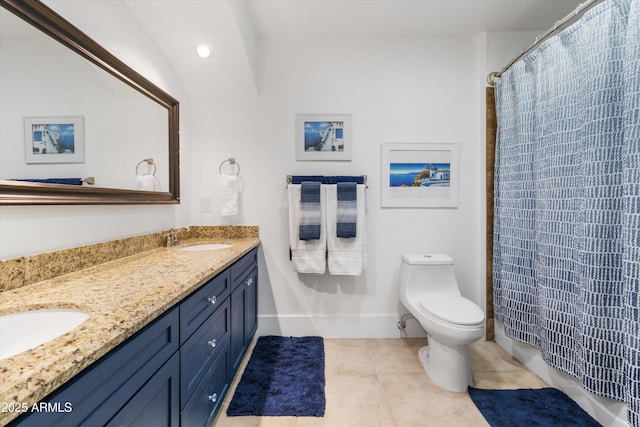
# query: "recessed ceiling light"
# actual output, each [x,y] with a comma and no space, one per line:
[204,52]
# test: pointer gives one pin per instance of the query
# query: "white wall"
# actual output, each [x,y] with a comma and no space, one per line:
[504,46]
[28,230]
[407,90]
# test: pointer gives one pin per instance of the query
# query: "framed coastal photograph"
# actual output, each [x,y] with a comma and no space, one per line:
[419,175]
[323,137]
[54,139]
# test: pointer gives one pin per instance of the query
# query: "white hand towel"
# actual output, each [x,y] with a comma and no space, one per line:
[146,182]
[307,256]
[346,256]
[229,194]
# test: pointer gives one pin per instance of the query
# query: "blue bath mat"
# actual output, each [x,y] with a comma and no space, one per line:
[284,377]
[544,407]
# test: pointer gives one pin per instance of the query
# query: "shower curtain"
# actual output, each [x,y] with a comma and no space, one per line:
[567,201]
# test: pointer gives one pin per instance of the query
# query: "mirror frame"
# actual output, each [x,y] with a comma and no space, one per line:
[24,193]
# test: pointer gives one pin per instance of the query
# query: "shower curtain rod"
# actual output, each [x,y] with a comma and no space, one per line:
[558,26]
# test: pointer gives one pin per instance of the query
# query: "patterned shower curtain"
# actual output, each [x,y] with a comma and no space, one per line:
[567,201]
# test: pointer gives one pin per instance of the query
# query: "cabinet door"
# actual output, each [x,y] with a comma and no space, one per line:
[238,328]
[251,307]
[244,317]
[155,404]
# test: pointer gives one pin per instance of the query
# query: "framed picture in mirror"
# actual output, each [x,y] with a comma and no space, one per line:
[54,139]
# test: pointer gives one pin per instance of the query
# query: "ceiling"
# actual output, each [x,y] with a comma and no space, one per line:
[401,18]
[235,28]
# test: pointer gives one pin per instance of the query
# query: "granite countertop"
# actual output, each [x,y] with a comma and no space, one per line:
[122,296]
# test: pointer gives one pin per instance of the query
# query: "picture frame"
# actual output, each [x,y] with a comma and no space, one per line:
[54,139]
[419,175]
[323,137]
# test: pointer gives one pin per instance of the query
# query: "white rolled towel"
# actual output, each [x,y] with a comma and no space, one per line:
[231,186]
[146,182]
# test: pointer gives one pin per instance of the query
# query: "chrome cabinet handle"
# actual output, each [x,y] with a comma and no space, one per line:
[213,397]
[212,343]
[212,299]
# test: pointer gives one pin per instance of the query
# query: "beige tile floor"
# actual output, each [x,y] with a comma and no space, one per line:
[380,382]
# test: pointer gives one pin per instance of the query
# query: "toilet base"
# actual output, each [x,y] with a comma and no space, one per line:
[447,366]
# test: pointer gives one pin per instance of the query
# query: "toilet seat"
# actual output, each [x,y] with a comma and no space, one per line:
[452,308]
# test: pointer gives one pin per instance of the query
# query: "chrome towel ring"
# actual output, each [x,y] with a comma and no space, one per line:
[148,162]
[232,162]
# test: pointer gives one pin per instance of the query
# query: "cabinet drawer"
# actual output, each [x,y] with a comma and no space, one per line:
[198,307]
[202,348]
[156,404]
[243,266]
[206,400]
[101,390]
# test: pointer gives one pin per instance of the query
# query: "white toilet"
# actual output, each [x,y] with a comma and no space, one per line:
[429,290]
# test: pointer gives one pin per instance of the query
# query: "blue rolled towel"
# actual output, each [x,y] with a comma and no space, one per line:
[347,214]
[66,181]
[310,214]
[298,179]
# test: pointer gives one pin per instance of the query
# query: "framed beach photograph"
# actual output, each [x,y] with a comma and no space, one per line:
[323,137]
[424,175]
[54,139]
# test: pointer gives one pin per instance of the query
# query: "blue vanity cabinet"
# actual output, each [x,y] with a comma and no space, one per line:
[174,372]
[142,368]
[244,306]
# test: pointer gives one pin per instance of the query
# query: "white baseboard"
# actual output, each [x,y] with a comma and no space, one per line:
[608,412]
[342,326]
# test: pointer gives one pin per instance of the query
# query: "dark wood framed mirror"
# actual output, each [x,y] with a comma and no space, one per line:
[31,193]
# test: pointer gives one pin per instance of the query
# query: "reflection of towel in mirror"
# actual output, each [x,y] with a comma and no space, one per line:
[145,182]
[230,189]
[65,181]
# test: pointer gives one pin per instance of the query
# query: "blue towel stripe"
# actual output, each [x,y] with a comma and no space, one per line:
[347,212]
[310,215]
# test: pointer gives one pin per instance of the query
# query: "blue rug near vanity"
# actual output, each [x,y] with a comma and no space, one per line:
[544,407]
[284,377]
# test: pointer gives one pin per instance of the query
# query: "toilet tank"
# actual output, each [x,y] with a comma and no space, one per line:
[420,273]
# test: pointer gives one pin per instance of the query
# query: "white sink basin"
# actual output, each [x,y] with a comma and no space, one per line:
[206,247]
[25,330]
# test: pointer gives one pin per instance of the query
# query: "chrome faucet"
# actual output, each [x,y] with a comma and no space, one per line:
[173,238]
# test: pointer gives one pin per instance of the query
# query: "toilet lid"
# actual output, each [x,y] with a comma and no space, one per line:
[452,308]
